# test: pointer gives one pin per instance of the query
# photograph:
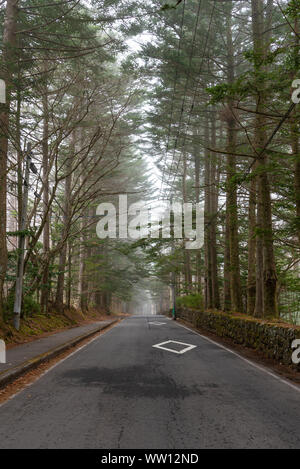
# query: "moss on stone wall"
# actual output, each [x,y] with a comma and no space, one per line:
[272,339]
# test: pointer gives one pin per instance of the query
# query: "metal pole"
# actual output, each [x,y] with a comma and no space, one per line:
[173,297]
[20,267]
[173,280]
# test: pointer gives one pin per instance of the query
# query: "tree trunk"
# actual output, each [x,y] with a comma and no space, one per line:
[295,133]
[251,279]
[207,212]
[46,230]
[66,222]
[69,281]
[296,153]
[231,185]
[197,197]
[227,292]
[83,280]
[266,277]
[9,40]
[213,219]
[84,251]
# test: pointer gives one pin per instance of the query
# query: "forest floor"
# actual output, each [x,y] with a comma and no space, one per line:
[40,325]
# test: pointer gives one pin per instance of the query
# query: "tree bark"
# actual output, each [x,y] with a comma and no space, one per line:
[9,40]
[251,278]
[231,185]
[66,222]
[266,276]
[46,231]
[197,197]
[207,212]
[295,134]
[83,280]
[227,292]
[213,219]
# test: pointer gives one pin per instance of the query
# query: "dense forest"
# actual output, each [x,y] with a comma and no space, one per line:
[194,101]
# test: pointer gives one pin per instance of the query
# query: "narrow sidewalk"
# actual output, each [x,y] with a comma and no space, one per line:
[21,358]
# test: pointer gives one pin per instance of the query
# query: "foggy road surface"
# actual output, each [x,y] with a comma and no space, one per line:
[121,392]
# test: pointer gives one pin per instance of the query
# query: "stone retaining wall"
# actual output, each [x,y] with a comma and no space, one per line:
[273,340]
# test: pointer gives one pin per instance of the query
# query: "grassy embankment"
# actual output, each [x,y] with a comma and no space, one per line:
[39,325]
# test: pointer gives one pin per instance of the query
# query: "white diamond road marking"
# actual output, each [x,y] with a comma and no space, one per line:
[157,323]
[185,349]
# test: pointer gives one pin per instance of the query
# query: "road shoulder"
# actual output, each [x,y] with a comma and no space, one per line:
[46,349]
[255,356]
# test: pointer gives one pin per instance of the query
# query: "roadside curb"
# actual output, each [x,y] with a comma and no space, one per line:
[10,375]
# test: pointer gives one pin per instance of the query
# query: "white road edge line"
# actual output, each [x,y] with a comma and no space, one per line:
[282,380]
[56,364]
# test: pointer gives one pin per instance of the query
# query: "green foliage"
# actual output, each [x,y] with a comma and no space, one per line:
[194,300]
[293,9]
[30,307]
[222,91]
[219,92]
[27,232]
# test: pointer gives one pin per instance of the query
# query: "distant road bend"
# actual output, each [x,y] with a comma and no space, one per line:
[123,391]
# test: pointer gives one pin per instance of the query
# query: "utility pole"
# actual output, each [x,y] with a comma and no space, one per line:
[20,267]
[173,277]
[173,297]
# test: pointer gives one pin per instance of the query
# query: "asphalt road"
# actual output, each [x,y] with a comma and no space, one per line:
[121,392]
